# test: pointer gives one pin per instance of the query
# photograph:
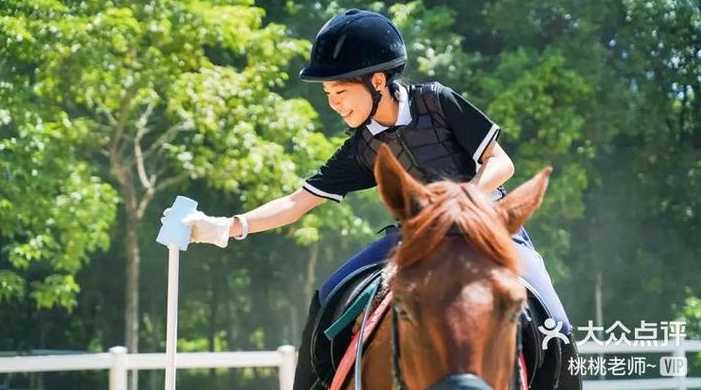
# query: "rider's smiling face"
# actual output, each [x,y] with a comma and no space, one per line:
[351,100]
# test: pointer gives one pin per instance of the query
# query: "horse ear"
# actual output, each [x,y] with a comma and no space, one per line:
[519,205]
[400,192]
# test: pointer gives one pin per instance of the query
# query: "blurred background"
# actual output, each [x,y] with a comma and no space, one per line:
[109,109]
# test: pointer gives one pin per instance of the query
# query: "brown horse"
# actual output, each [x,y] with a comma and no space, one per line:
[454,282]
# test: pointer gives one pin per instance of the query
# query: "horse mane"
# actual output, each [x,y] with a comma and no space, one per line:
[455,204]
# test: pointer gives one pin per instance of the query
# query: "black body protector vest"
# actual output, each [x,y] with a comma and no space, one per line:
[426,147]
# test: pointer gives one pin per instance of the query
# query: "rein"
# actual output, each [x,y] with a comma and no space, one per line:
[465,381]
[397,381]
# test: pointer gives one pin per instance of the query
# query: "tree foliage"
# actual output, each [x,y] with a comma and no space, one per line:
[110,108]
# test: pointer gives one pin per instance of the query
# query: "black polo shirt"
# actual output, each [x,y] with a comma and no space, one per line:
[343,172]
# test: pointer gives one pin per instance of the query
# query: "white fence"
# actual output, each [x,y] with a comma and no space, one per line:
[118,362]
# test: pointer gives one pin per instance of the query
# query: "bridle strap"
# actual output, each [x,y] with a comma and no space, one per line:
[397,381]
[451,382]
[517,360]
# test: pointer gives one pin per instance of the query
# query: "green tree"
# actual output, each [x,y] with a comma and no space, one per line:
[607,92]
[592,89]
[150,96]
[54,210]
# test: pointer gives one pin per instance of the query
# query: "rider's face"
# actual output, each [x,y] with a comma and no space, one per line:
[350,100]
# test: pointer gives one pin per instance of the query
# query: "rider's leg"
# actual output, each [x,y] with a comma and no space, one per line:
[305,377]
[533,271]
[375,253]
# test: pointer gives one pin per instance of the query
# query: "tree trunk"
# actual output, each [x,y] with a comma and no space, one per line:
[231,334]
[214,274]
[295,336]
[310,283]
[129,167]
[131,293]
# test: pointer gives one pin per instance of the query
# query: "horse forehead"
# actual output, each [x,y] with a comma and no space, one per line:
[462,256]
[452,267]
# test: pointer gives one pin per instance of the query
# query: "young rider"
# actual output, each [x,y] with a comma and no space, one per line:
[433,131]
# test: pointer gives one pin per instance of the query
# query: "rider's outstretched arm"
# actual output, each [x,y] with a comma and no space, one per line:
[278,212]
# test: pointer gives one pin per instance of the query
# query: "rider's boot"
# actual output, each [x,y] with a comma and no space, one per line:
[305,376]
[568,379]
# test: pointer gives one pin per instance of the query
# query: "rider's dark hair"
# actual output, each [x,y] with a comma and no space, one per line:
[392,78]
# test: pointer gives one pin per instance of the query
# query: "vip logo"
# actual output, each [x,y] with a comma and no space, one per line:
[673,366]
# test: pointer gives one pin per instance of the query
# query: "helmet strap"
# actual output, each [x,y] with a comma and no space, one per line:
[376,98]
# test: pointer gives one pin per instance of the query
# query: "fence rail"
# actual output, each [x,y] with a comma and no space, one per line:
[118,362]
[643,384]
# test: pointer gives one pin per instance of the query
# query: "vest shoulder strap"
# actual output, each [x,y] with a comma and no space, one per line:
[428,102]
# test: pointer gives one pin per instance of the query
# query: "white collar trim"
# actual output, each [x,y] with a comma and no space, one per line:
[403,116]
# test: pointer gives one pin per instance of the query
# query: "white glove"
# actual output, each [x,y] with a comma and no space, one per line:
[210,230]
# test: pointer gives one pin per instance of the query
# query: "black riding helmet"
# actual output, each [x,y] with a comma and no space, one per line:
[356,44]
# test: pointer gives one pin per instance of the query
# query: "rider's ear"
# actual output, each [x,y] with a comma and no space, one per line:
[517,206]
[401,193]
[378,80]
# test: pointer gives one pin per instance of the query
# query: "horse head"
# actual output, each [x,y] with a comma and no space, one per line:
[454,278]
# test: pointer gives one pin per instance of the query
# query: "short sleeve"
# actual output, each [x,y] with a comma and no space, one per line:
[474,131]
[341,174]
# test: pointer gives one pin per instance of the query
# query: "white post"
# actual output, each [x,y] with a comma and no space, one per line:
[118,371]
[598,302]
[288,362]
[172,317]
[680,352]
[176,236]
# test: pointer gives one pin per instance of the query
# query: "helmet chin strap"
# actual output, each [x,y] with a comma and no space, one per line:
[376,97]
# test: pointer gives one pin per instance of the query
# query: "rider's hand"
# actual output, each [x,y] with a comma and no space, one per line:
[206,229]
[210,230]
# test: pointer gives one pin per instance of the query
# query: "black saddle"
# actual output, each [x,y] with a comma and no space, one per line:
[327,350]
[547,369]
